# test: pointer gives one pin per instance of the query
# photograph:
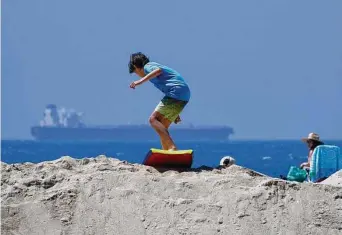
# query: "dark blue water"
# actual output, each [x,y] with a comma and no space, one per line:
[269,157]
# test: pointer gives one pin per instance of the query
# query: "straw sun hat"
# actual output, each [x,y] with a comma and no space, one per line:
[312,136]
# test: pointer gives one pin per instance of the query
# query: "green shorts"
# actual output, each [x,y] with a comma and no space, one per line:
[170,108]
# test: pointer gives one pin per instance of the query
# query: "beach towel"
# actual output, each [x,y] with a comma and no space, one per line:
[325,161]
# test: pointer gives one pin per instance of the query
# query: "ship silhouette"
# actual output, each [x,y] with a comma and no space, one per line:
[63,124]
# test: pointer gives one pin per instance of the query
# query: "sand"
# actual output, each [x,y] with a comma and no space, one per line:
[104,195]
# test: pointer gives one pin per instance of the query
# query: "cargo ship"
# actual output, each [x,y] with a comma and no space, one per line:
[62,124]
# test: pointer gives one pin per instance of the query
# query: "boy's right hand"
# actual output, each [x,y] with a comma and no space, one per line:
[133,85]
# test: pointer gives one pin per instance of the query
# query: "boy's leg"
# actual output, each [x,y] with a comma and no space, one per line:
[165,113]
[161,125]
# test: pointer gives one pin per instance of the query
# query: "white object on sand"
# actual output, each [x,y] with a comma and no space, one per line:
[227,161]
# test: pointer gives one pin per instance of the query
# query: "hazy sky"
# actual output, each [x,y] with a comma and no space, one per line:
[270,69]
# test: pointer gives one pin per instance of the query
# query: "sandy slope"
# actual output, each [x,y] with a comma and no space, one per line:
[107,196]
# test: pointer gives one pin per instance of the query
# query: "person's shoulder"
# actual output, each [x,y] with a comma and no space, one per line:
[151,63]
[151,66]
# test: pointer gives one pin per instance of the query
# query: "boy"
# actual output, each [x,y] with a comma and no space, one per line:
[172,84]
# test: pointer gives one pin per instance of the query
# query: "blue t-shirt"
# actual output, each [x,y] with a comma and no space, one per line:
[170,82]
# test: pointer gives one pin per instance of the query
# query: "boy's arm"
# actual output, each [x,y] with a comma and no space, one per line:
[149,76]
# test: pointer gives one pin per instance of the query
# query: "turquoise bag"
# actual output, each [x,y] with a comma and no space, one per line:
[296,174]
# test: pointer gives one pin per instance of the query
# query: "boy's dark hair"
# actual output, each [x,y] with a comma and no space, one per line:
[139,60]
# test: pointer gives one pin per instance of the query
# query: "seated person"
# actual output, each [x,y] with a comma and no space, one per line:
[312,141]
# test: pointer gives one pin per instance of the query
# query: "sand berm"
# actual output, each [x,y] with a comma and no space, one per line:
[104,195]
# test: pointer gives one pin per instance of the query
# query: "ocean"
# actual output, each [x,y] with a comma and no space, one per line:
[272,158]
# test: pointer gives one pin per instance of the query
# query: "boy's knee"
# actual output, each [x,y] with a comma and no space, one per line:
[152,119]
